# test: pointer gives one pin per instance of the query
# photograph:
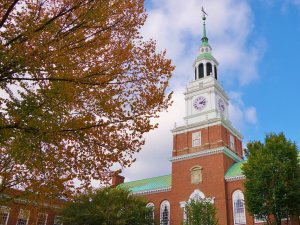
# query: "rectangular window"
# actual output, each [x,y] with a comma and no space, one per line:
[4,214]
[58,220]
[259,219]
[23,217]
[196,139]
[42,219]
[232,142]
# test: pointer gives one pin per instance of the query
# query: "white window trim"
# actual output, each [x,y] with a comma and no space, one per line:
[162,206]
[196,136]
[232,144]
[235,195]
[151,204]
[5,209]
[57,219]
[26,212]
[39,217]
[259,220]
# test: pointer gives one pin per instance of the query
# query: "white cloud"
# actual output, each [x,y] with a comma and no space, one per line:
[153,159]
[240,114]
[177,27]
[251,116]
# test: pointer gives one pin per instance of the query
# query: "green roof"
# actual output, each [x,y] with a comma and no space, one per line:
[235,170]
[148,184]
[206,55]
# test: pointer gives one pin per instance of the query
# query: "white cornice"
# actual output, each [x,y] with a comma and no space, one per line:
[153,191]
[206,83]
[241,177]
[216,121]
[206,153]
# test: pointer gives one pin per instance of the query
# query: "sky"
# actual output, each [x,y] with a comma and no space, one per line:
[257,45]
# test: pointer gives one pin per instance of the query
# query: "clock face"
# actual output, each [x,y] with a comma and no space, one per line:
[200,103]
[221,105]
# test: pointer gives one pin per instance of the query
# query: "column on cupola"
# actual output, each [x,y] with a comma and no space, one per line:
[205,68]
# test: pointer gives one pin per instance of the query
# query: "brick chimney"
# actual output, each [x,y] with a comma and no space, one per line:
[117,179]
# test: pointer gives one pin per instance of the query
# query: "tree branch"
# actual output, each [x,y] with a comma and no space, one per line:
[10,8]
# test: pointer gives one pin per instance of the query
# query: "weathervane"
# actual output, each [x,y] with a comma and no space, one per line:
[204,13]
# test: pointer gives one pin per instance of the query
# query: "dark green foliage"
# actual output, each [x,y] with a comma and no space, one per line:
[272,178]
[107,206]
[201,213]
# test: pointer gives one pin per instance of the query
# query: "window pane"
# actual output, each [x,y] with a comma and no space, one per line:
[42,219]
[4,214]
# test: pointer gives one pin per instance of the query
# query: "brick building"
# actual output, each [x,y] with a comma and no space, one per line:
[207,154]
[22,211]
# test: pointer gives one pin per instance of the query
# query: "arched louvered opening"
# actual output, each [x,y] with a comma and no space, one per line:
[195,73]
[216,74]
[209,69]
[200,70]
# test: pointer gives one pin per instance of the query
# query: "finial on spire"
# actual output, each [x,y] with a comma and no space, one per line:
[204,38]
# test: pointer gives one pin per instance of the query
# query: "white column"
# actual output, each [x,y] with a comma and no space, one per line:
[204,67]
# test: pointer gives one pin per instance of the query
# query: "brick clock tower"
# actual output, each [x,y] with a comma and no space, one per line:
[207,145]
[207,153]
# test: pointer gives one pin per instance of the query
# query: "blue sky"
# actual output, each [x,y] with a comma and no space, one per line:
[276,94]
[257,43]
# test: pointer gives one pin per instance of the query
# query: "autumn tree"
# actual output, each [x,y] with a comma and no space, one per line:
[78,86]
[272,186]
[110,206]
[200,212]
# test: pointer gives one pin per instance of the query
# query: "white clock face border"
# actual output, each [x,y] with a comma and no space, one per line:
[221,105]
[200,103]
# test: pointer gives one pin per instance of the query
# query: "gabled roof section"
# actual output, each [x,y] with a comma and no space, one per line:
[148,185]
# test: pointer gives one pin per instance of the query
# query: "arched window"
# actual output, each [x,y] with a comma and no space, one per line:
[209,69]
[151,205]
[216,74]
[200,70]
[195,73]
[197,195]
[239,215]
[165,213]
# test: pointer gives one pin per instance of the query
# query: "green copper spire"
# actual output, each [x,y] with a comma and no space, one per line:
[204,39]
[205,49]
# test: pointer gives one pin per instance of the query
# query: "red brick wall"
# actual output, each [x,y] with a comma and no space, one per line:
[15,209]
[211,137]
[212,185]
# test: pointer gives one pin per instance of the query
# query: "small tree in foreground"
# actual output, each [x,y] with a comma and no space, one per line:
[108,206]
[272,179]
[201,213]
